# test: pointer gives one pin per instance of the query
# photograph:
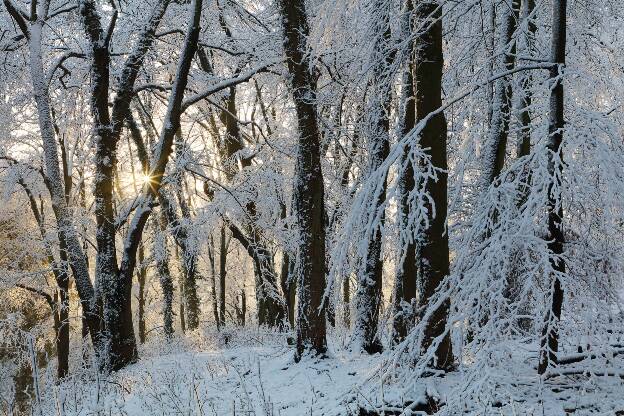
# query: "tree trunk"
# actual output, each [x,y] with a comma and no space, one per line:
[32,30]
[243,308]
[308,198]
[213,282]
[141,301]
[524,142]
[189,255]
[368,295]
[434,261]
[222,274]
[161,256]
[288,287]
[549,344]
[62,334]
[495,148]
[405,279]
[182,304]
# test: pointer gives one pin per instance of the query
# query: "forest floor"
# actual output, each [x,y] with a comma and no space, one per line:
[254,373]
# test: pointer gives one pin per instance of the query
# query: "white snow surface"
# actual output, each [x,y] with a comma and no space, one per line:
[258,377]
[246,372]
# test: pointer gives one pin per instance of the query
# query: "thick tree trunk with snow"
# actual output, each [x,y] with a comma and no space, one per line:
[434,251]
[368,295]
[549,344]
[309,203]
[114,282]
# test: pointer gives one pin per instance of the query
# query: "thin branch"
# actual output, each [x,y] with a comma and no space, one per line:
[19,16]
[244,77]
[48,298]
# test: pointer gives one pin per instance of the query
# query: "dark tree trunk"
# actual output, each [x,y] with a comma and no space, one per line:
[496,145]
[524,142]
[161,255]
[182,304]
[288,287]
[286,278]
[243,308]
[523,149]
[308,198]
[346,302]
[549,345]
[189,255]
[407,268]
[62,334]
[32,30]
[114,281]
[213,282]
[141,272]
[368,295]
[222,274]
[434,251]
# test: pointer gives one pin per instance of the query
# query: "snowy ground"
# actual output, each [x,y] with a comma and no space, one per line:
[254,374]
[234,379]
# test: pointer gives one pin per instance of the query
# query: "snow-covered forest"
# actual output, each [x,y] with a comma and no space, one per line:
[311,207]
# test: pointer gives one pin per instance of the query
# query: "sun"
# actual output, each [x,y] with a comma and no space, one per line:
[146,178]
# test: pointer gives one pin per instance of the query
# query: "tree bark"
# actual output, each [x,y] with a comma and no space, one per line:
[524,142]
[549,344]
[222,275]
[141,274]
[161,255]
[308,198]
[405,279]
[434,261]
[213,282]
[368,294]
[495,148]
